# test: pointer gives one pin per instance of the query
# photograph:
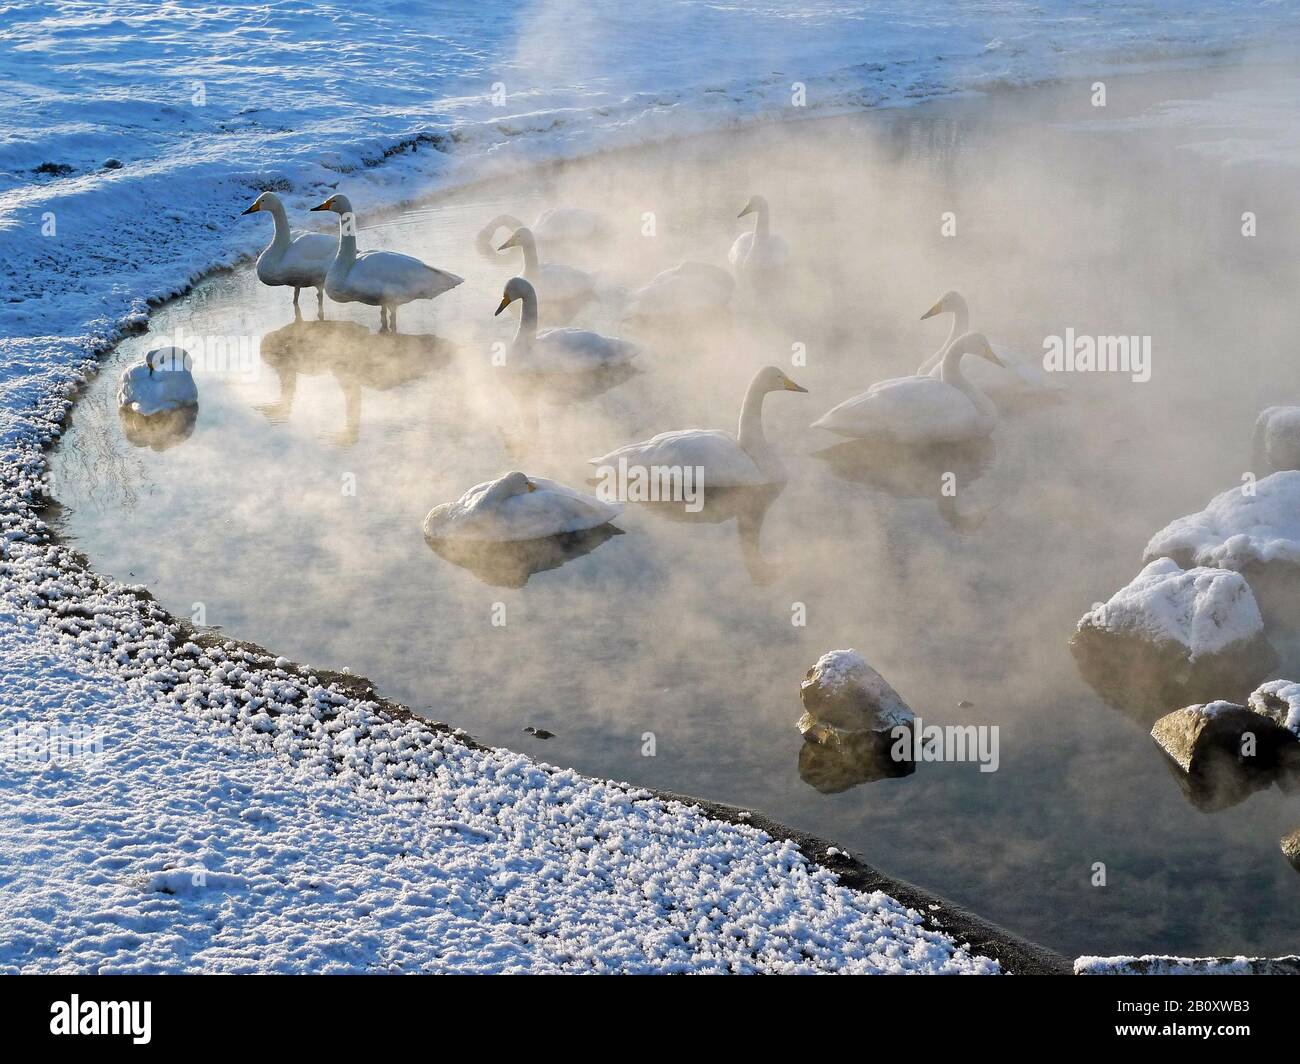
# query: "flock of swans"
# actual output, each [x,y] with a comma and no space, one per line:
[951,399]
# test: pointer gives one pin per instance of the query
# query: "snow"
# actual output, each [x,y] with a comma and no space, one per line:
[1202,610]
[837,669]
[1238,528]
[233,813]
[1283,691]
[1151,964]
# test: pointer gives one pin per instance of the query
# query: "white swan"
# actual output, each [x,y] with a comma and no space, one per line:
[760,249]
[516,507]
[383,279]
[555,226]
[689,289]
[299,261]
[1006,383]
[921,410]
[161,383]
[728,461]
[558,350]
[555,282]
[1277,439]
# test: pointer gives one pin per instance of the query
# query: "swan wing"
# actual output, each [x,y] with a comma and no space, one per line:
[553,509]
[724,462]
[308,257]
[559,225]
[739,252]
[560,283]
[575,351]
[388,275]
[909,410]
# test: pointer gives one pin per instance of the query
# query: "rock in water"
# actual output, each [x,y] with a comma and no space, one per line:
[1171,637]
[1291,848]
[842,691]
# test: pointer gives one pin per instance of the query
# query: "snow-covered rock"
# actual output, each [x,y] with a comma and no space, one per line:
[842,692]
[1152,964]
[1291,848]
[1277,439]
[1172,636]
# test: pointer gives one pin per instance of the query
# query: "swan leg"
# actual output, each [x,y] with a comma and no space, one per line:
[296,292]
[320,304]
[392,319]
[383,319]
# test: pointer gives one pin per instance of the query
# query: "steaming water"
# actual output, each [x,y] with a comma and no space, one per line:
[1066,217]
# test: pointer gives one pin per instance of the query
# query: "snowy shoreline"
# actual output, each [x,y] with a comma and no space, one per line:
[634,880]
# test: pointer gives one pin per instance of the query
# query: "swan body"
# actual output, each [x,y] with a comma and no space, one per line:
[516,507]
[1277,439]
[743,460]
[1011,381]
[554,226]
[921,410]
[159,384]
[554,281]
[300,261]
[688,289]
[558,350]
[383,279]
[758,250]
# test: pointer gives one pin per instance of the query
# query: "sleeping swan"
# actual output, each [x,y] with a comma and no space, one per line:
[298,261]
[382,279]
[161,383]
[516,507]
[728,461]
[558,350]
[918,411]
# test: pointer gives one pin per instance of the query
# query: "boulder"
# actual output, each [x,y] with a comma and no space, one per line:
[1291,848]
[1173,636]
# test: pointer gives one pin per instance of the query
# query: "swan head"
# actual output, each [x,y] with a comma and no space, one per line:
[516,288]
[521,237]
[975,343]
[949,303]
[267,201]
[337,203]
[756,205]
[168,360]
[510,485]
[771,379]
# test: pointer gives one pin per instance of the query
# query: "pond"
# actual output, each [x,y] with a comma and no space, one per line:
[669,654]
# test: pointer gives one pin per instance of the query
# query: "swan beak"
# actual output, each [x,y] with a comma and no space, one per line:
[505,302]
[531,486]
[994,359]
[790,386]
[749,209]
[508,244]
[324,206]
[251,210]
[936,309]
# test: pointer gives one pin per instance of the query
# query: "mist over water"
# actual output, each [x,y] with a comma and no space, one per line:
[291,509]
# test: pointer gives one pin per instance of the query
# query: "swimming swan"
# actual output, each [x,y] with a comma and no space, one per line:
[760,249]
[555,282]
[554,227]
[1005,384]
[161,383]
[299,261]
[689,289]
[516,507]
[558,350]
[921,410]
[383,279]
[728,461]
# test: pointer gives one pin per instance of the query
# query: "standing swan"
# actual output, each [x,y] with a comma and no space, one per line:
[557,283]
[918,411]
[300,261]
[558,350]
[383,279]
[761,249]
[728,461]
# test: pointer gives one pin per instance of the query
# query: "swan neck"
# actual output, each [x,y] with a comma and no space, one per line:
[281,238]
[529,248]
[527,319]
[347,252]
[950,373]
[750,434]
[762,224]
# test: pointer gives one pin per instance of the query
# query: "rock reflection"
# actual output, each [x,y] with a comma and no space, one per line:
[857,758]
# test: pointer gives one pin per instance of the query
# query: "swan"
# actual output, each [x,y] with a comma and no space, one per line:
[689,289]
[383,279]
[728,461]
[921,410]
[1006,383]
[516,507]
[161,383]
[1277,439]
[556,282]
[759,249]
[554,226]
[300,261]
[558,350]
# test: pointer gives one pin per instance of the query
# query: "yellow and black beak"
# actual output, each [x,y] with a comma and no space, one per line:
[790,386]
[749,209]
[530,485]
[327,205]
[505,302]
[257,206]
[508,244]
[936,309]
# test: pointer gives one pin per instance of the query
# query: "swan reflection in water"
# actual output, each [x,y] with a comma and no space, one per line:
[161,431]
[942,473]
[357,358]
[512,564]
